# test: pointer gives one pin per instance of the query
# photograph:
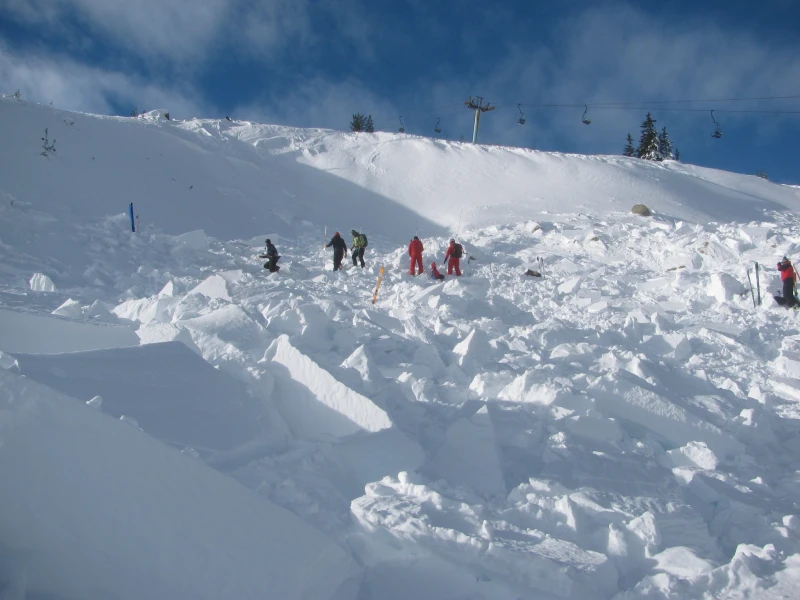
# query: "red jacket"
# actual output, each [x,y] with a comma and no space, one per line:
[450,249]
[786,269]
[415,248]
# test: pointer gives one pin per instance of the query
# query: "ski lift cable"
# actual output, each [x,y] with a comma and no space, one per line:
[640,102]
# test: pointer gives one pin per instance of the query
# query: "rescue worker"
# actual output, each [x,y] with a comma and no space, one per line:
[339,250]
[453,258]
[788,279]
[415,249]
[358,247]
[271,254]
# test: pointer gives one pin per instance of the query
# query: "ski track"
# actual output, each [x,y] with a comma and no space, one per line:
[624,427]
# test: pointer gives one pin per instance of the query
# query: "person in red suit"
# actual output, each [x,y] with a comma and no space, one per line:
[788,279]
[435,272]
[415,249]
[453,258]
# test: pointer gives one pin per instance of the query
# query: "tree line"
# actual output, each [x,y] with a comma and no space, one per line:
[652,144]
[362,123]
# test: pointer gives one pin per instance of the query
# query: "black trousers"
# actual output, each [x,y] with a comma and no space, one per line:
[788,292]
[338,255]
[358,254]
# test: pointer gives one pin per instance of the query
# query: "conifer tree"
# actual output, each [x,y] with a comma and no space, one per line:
[369,127]
[665,145]
[677,154]
[648,142]
[629,150]
[358,123]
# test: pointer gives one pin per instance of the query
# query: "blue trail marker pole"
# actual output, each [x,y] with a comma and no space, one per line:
[133,223]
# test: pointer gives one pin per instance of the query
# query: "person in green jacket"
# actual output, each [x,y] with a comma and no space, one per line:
[358,247]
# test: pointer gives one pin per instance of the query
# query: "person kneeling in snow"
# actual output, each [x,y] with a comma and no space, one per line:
[271,254]
[788,279]
[435,272]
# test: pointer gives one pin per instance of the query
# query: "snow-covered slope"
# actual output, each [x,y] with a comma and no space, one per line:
[624,426]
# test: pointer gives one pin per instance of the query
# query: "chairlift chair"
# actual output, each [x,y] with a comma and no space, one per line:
[718,132]
[583,118]
[521,120]
[402,127]
[437,129]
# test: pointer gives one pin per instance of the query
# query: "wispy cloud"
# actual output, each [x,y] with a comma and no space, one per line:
[74,86]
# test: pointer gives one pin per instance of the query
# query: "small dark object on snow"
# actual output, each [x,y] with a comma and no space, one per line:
[533,273]
[229,119]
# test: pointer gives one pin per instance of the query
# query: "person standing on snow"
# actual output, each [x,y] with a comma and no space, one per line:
[435,272]
[415,249]
[358,247]
[339,250]
[788,279]
[453,258]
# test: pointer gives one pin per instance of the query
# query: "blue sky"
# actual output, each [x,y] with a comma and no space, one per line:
[311,63]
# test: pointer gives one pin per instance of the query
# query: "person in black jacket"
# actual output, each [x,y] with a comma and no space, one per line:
[271,254]
[339,250]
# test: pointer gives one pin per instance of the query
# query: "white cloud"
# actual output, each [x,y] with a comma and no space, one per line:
[171,30]
[73,86]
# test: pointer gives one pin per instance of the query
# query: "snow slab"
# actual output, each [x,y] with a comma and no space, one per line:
[172,393]
[313,402]
[42,283]
[27,332]
[94,509]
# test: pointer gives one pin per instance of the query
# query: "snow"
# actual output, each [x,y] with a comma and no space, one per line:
[176,422]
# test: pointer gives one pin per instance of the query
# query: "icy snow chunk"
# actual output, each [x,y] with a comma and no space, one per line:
[214,287]
[313,402]
[681,562]
[427,355]
[167,290]
[473,349]
[788,364]
[230,324]
[570,286]
[631,399]
[155,333]
[529,387]
[194,240]
[470,455]
[70,308]
[672,345]
[724,287]
[146,310]
[42,283]
[362,362]
[693,454]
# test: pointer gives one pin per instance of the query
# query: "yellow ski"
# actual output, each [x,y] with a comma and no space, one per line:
[377,286]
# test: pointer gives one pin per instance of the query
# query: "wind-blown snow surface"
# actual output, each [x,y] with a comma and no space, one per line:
[177,423]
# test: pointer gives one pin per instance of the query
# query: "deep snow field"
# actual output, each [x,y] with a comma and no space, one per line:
[177,423]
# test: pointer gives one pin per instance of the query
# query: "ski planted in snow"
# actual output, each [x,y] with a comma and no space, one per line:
[377,286]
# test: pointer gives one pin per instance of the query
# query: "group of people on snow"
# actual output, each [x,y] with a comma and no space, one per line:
[453,259]
[359,245]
